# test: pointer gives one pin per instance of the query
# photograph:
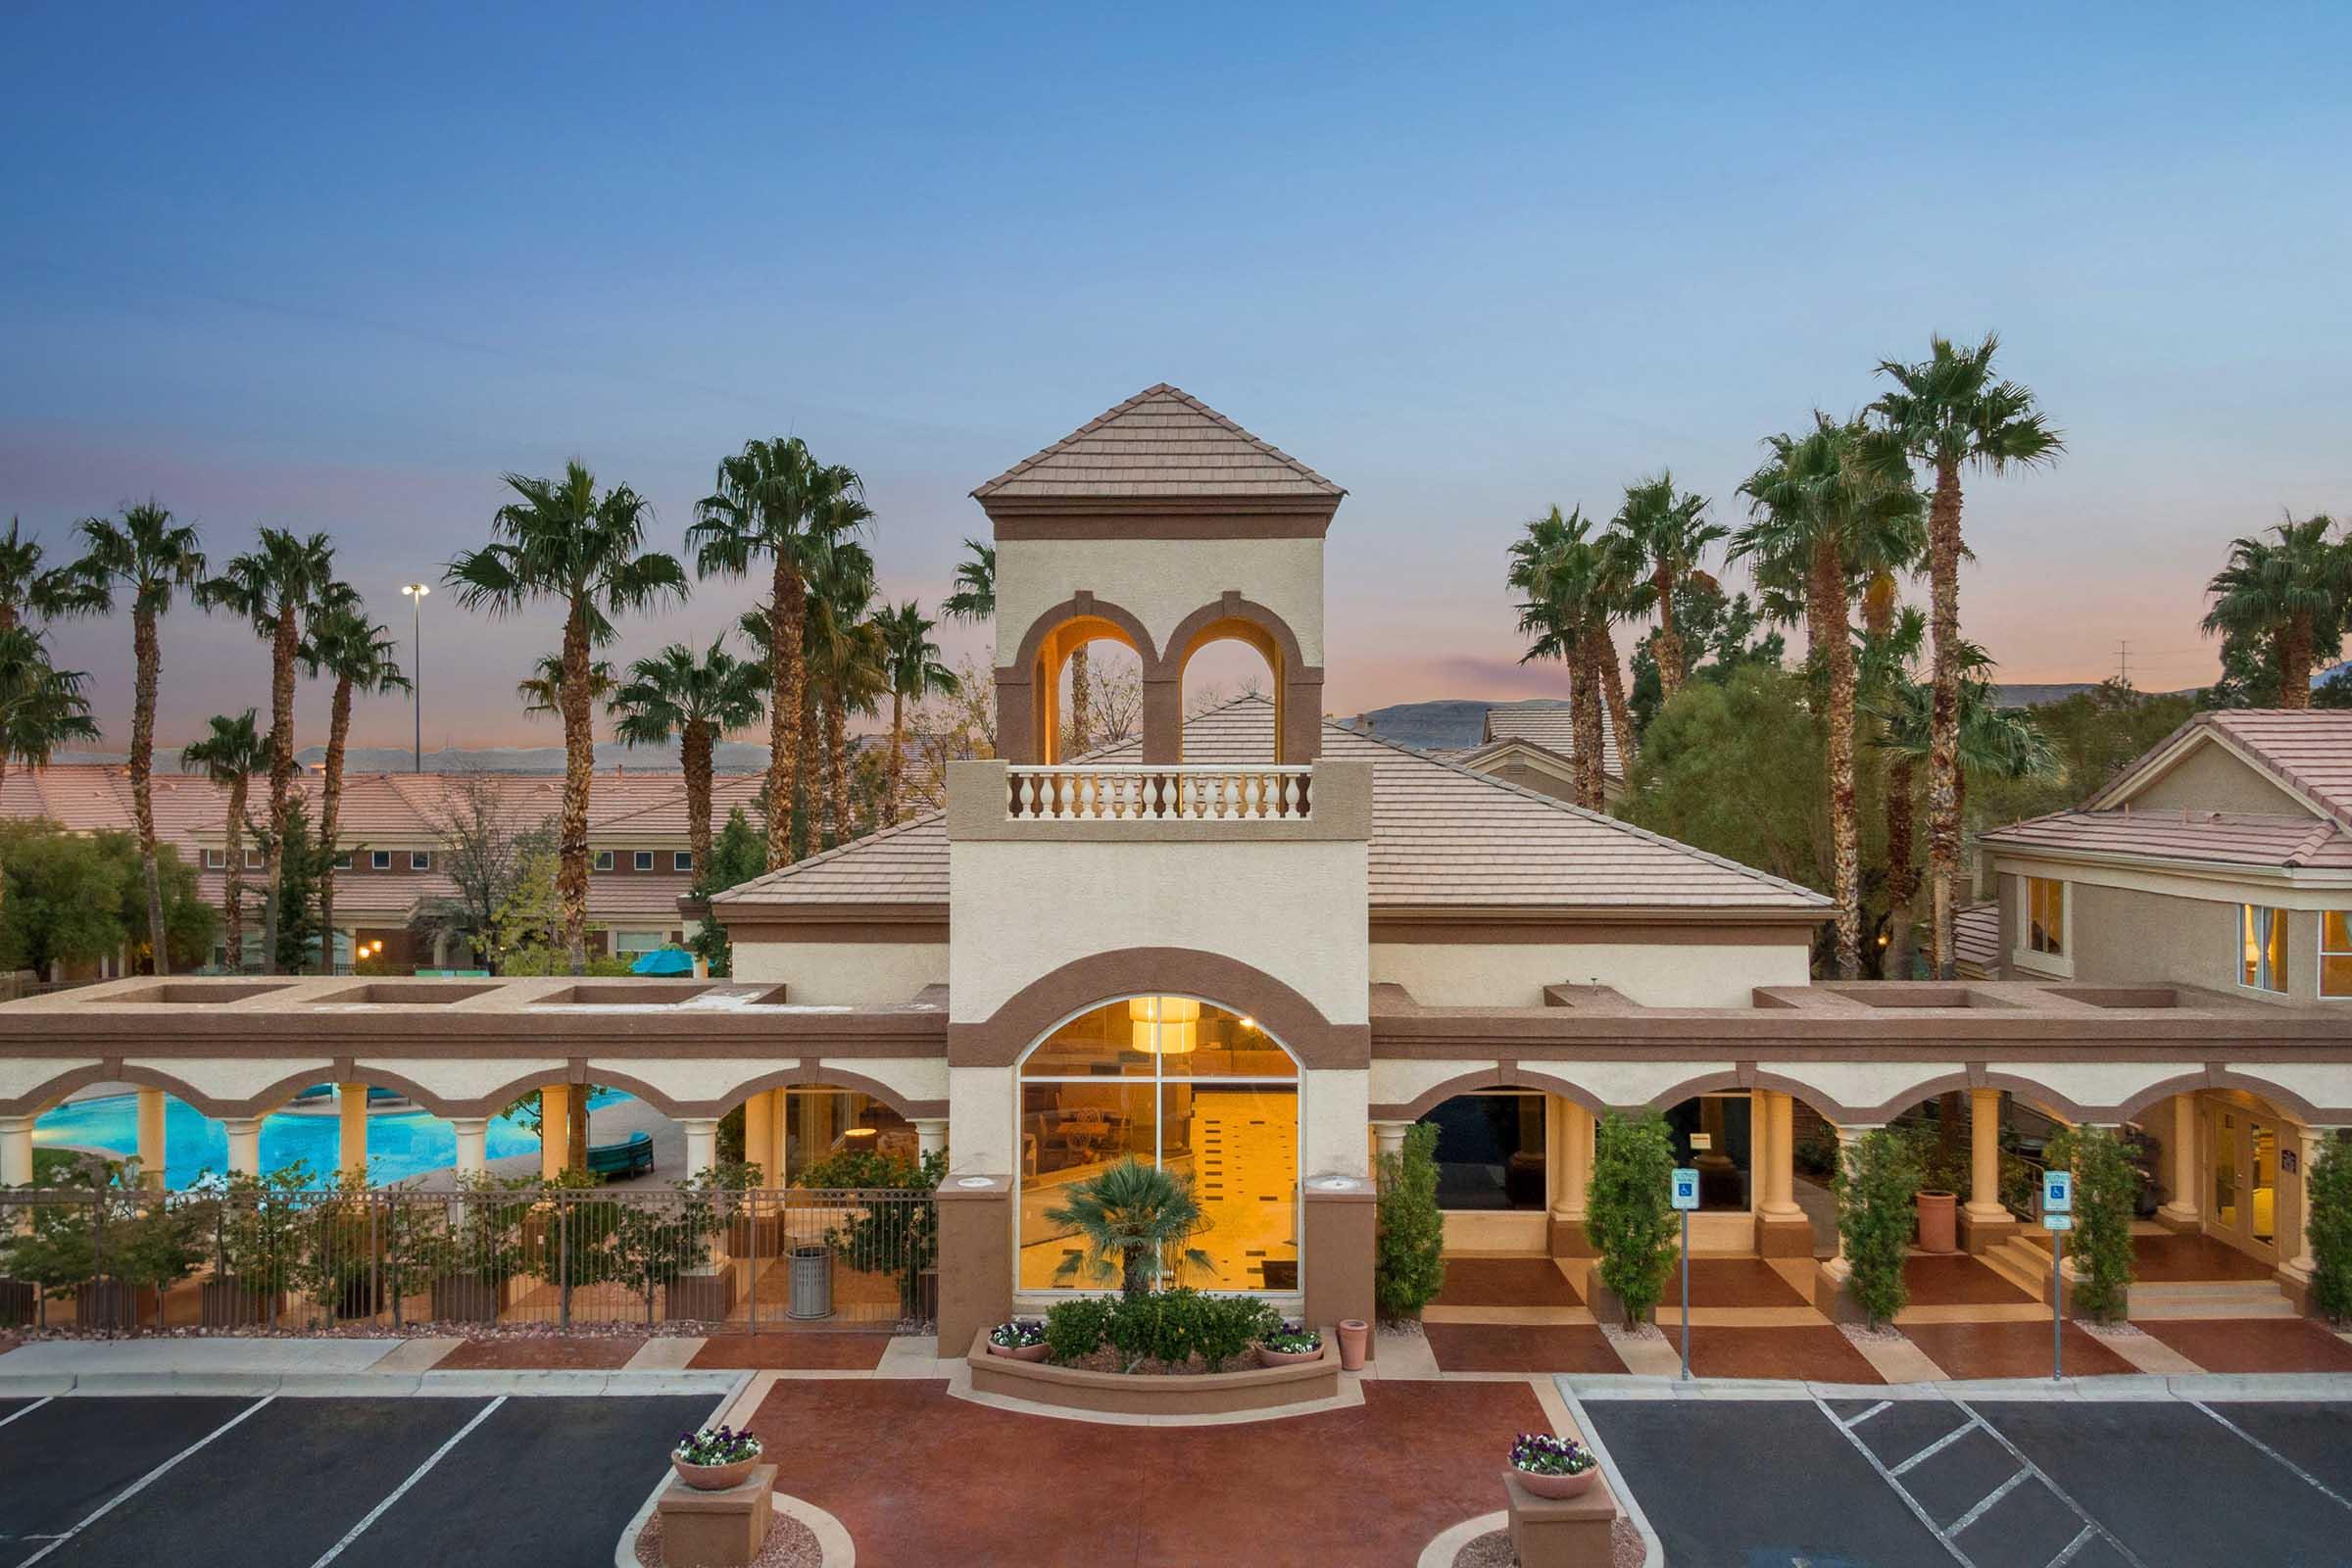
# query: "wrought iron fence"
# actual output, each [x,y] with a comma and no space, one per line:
[261,1257]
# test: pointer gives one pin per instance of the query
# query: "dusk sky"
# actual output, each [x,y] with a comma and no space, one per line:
[299,267]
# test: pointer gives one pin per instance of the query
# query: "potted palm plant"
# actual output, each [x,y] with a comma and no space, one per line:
[1553,1467]
[1138,1221]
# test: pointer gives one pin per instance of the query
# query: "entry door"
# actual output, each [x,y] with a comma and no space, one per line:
[2243,1173]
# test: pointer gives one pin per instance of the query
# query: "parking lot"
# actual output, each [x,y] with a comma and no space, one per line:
[1994,1484]
[359,1483]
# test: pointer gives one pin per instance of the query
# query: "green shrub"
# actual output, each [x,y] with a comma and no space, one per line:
[1075,1328]
[1409,1261]
[2106,1196]
[1629,1211]
[1816,1151]
[1876,1188]
[2327,1217]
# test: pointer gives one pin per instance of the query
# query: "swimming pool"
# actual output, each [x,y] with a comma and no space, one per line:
[400,1144]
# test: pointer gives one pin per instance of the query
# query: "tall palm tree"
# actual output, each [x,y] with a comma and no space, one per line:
[1557,566]
[911,660]
[231,754]
[559,539]
[774,500]
[343,643]
[700,701]
[844,660]
[1825,509]
[1667,534]
[30,591]
[2293,589]
[1619,593]
[147,555]
[1948,413]
[542,690]
[41,707]
[974,598]
[275,586]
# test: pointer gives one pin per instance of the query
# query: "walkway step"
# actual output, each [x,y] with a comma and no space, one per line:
[2023,1265]
[2211,1298]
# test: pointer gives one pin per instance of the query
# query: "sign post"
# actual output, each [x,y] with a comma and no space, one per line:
[1684,1194]
[2057,1218]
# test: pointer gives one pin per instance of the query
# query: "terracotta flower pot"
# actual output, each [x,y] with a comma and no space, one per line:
[1355,1338]
[1271,1357]
[1557,1486]
[1938,1222]
[715,1477]
[1018,1353]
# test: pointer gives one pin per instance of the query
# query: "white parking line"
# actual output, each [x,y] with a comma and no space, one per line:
[1936,1448]
[141,1485]
[2058,1492]
[1989,1501]
[1926,1520]
[1883,1404]
[2315,1483]
[401,1491]
[27,1410]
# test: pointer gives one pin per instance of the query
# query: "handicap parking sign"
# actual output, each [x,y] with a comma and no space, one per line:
[2057,1192]
[1686,1189]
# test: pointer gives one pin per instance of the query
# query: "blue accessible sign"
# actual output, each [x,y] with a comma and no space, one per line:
[2057,1192]
[1684,1188]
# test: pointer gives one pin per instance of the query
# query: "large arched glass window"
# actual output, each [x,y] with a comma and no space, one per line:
[1173,1080]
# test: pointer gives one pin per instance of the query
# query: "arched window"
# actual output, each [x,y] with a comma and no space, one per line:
[1174,1080]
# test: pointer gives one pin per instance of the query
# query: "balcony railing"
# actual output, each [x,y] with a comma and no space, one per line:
[1145,794]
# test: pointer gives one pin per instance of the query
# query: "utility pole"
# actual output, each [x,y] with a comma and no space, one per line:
[2123,664]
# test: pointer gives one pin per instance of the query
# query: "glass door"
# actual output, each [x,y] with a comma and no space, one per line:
[2244,1179]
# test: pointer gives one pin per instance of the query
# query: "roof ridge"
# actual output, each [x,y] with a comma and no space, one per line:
[780,873]
[1158,389]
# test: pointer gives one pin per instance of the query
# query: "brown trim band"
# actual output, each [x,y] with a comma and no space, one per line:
[1468,930]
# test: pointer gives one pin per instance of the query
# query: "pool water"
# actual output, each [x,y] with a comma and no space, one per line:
[399,1145]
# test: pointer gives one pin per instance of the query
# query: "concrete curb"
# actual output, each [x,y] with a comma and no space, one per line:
[2226,1387]
[366,1385]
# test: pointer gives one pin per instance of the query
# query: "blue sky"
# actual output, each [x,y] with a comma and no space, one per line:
[279,264]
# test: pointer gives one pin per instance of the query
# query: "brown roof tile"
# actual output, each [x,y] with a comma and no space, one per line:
[2308,751]
[1552,724]
[2218,838]
[1160,442]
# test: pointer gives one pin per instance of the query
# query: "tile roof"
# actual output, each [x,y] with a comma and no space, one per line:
[1977,936]
[2215,838]
[1160,442]
[2308,749]
[1552,724]
[1444,837]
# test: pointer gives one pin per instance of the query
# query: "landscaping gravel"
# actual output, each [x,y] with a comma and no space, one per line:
[790,1545]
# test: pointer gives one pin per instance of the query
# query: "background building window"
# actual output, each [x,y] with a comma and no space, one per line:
[2335,954]
[343,862]
[255,859]
[635,944]
[645,860]
[604,860]
[215,859]
[379,859]
[2262,941]
[420,859]
[1489,1150]
[682,861]
[2045,915]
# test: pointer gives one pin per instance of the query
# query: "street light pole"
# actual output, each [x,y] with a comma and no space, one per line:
[415,593]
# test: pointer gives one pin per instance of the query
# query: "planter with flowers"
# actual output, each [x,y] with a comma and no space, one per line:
[1553,1467]
[1289,1346]
[715,1458]
[1022,1339]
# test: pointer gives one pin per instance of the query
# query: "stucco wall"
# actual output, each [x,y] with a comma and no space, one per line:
[845,973]
[1656,975]
[1160,581]
[1294,909]
[2124,934]
[2209,779]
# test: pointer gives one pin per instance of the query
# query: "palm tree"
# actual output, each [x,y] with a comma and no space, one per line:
[974,598]
[146,554]
[1138,1221]
[911,660]
[1559,567]
[275,586]
[28,590]
[41,707]
[1667,535]
[700,702]
[774,498]
[559,539]
[843,661]
[231,754]
[2292,590]
[1949,414]
[342,642]
[1826,511]
[542,691]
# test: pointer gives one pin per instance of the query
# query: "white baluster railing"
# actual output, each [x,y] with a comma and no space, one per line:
[1133,793]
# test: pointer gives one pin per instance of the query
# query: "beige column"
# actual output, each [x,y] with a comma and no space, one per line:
[931,1136]
[779,1149]
[1573,1167]
[701,1143]
[2309,1141]
[1780,1156]
[151,1138]
[2181,1210]
[1847,1138]
[244,1145]
[473,1145]
[1984,1155]
[760,1135]
[16,1150]
[555,1129]
[350,1129]
[1389,1136]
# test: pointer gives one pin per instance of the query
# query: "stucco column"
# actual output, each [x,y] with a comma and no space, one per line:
[760,1135]
[1984,1154]
[555,1129]
[931,1136]
[1568,1136]
[244,1145]
[779,1147]
[701,1143]
[2182,1212]
[1829,1296]
[151,1138]
[16,1150]
[1780,1165]
[2309,1141]
[1389,1136]
[473,1145]
[351,1127]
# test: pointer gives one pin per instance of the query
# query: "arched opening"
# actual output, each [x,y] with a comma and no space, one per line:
[1180,1082]
[803,1134]
[1074,705]
[1230,658]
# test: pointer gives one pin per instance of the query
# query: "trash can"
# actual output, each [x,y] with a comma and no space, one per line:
[812,1282]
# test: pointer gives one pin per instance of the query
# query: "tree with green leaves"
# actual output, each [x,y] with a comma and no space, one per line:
[738,854]
[541,691]
[2328,1200]
[974,597]
[1877,1184]
[302,938]
[1408,1257]
[700,701]
[560,539]
[342,643]
[2288,592]
[1629,1211]
[1824,520]
[1138,1223]
[41,708]
[846,675]
[1560,569]
[230,753]
[33,592]
[1667,532]
[1951,415]
[911,662]
[2106,1198]
[144,555]
[276,586]
[774,501]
